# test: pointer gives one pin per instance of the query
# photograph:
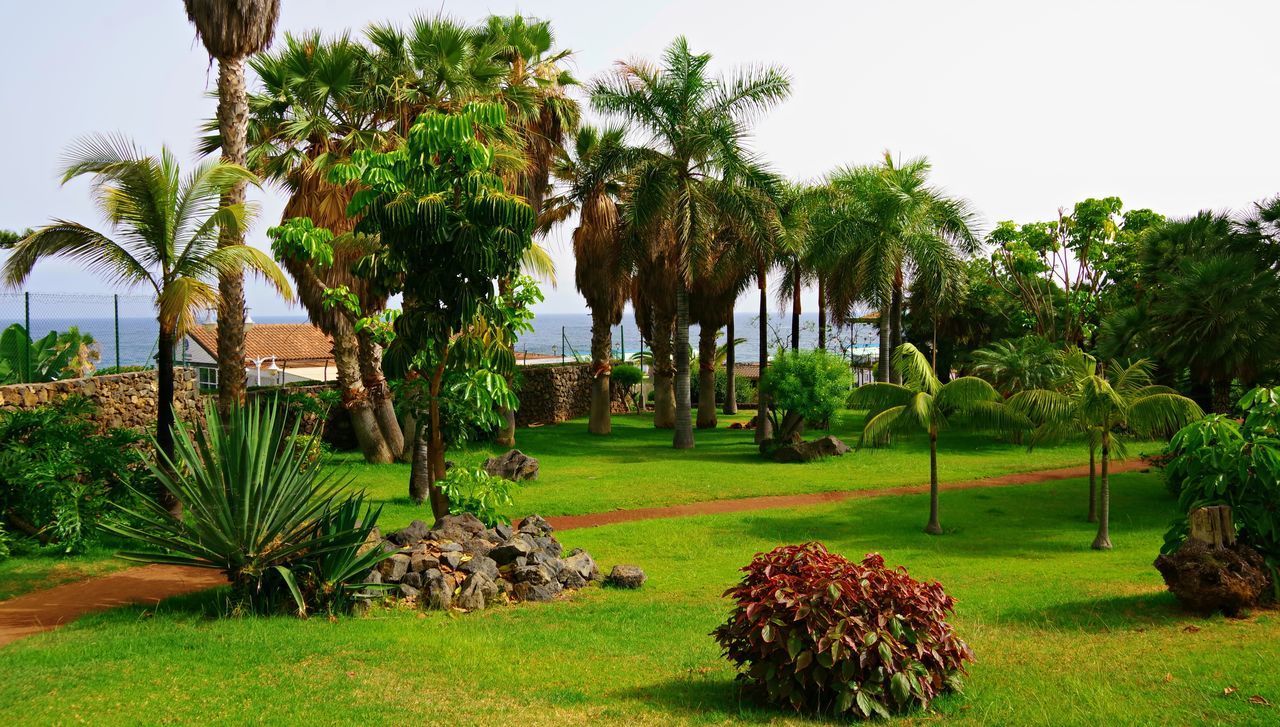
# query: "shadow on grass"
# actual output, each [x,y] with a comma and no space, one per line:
[709,698]
[1100,615]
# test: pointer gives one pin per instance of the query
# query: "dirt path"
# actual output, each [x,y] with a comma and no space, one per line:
[46,610]
[716,507]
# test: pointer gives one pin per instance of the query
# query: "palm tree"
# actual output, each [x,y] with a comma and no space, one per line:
[922,402]
[1015,364]
[166,229]
[1107,404]
[592,174]
[891,225]
[695,155]
[232,30]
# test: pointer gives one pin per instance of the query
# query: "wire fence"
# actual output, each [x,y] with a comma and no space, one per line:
[121,329]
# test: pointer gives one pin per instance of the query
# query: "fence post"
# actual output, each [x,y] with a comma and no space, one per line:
[562,346]
[117,316]
[622,337]
[26,343]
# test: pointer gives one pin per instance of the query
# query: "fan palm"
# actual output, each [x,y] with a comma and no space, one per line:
[922,402]
[890,225]
[592,174]
[232,30]
[166,228]
[1013,365]
[694,158]
[1108,405]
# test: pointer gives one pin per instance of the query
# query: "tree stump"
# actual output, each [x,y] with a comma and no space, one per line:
[1213,526]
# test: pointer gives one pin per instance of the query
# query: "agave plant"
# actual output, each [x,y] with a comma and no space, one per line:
[255,511]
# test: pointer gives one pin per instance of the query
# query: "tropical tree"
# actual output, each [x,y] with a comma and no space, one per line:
[922,402]
[166,236]
[1016,364]
[694,165]
[592,174]
[232,30]
[890,225]
[1108,405]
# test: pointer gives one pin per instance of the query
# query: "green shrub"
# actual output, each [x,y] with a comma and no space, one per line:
[805,386]
[817,633]
[1217,461]
[627,375]
[58,474]
[472,490]
[281,531]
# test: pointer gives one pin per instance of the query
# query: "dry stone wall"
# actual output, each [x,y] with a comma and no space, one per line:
[552,394]
[123,400]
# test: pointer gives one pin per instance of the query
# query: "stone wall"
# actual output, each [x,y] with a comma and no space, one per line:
[552,394]
[123,400]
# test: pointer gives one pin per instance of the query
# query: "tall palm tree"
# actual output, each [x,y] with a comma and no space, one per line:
[592,174]
[1107,404]
[922,402]
[694,156]
[232,30]
[893,225]
[164,235]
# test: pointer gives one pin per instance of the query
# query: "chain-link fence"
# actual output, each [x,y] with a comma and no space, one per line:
[115,330]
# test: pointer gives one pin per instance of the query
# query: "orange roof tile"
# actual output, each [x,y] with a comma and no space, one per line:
[285,341]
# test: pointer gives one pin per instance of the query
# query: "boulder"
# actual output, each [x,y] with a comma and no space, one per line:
[480,564]
[509,551]
[416,531]
[1207,579]
[570,578]
[422,560]
[407,591]
[451,559]
[412,579]
[394,568]
[828,446]
[548,545]
[436,592]
[626,576]
[465,522]
[536,591]
[581,562]
[514,465]
[503,532]
[477,546]
[477,591]
[536,575]
[535,525]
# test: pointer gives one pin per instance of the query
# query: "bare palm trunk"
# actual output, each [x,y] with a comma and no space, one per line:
[730,377]
[683,438]
[895,322]
[435,449]
[883,365]
[506,434]
[934,527]
[356,398]
[764,427]
[233,119]
[601,364]
[1093,483]
[1222,397]
[384,408]
[1103,540]
[822,315]
[419,466]
[795,309]
[707,377]
[164,412]
[664,397]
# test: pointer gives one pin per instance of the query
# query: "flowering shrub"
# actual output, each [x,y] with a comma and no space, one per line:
[822,634]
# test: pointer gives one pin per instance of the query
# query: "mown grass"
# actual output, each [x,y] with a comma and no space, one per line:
[636,467]
[1063,635]
[24,571]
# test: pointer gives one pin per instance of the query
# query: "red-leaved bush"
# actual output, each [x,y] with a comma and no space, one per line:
[816,631]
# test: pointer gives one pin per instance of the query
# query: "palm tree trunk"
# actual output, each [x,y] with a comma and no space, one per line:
[506,434]
[1093,483]
[233,119]
[934,527]
[822,315]
[601,363]
[730,361]
[707,377]
[384,408]
[795,309]
[764,427]
[664,397]
[164,411]
[895,322]
[356,398]
[1222,397]
[435,449]
[1103,540]
[683,438]
[886,352]
[419,466]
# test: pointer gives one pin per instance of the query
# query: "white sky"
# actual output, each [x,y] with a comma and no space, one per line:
[1023,106]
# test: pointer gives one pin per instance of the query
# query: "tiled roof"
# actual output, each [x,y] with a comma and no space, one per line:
[746,370]
[285,341]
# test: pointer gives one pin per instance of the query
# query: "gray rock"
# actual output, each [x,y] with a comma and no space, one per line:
[536,592]
[535,525]
[570,578]
[481,564]
[372,578]
[509,551]
[514,465]
[548,545]
[407,591]
[412,579]
[423,561]
[465,522]
[390,547]
[477,546]
[626,576]
[827,446]
[534,575]
[436,593]
[450,548]
[416,531]
[503,531]
[477,591]
[394,568]
[451,559]
[581,562]
[548,561]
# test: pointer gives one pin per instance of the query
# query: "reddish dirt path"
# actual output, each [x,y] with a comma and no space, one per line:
[46,610]
[716,507]
[149,584]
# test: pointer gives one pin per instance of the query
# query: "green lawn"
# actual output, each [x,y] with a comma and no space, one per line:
[1063,635]
[27,572]
[636,467]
